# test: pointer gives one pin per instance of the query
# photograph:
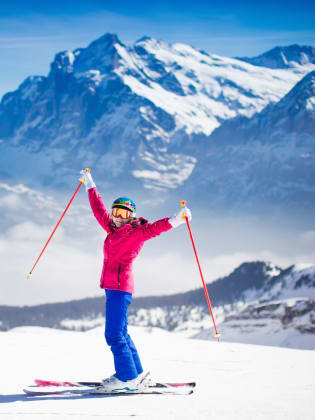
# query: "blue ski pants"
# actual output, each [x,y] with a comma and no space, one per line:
[126,359]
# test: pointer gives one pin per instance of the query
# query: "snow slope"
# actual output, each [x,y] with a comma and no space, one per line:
[234,381]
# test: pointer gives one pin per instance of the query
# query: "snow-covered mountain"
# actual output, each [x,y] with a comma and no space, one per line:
[283,57]
[269,157]
[144,111]
[257,303]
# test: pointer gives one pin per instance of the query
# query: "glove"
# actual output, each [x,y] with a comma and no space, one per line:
[179,217]
[87,179]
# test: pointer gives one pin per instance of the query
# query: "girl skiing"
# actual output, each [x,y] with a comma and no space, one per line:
[126,235]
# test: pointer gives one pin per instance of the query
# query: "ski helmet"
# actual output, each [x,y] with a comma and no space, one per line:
[125,203]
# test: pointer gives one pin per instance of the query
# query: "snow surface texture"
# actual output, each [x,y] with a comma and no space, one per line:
[234,381]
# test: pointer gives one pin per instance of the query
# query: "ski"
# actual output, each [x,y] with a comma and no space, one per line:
[46,383]
[37,391]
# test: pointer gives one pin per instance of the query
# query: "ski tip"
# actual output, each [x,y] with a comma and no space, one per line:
[40,383]
[182,384]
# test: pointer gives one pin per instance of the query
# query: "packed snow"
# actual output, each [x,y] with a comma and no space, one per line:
[234,381]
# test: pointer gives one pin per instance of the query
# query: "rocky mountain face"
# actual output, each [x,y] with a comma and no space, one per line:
[270,306]
[286,322]
[283,57]
[257,303]
[252,292]
[270,155]
[140,114]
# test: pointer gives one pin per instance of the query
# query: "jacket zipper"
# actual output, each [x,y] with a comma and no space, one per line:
[118,277]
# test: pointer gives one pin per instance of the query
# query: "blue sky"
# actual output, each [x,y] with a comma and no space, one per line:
[31,31]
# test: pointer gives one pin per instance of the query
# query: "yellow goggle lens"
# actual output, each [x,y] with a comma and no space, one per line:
[122,213]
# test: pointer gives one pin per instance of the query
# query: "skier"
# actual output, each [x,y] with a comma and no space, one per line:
[126,235]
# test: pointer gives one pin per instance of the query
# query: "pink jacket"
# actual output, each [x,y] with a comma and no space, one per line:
[122,245]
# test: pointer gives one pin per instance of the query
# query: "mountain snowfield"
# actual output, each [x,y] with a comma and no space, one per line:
[234,381]
[215,88]
[271,154]
[154,102]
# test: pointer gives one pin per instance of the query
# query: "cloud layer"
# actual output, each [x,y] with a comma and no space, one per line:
[71,266]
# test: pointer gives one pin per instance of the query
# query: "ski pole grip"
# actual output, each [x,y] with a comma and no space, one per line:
[88,170]
[183,204]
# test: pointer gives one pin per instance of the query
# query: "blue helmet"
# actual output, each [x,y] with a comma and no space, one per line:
[126,203]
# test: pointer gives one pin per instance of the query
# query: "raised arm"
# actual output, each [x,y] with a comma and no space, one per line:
[98,207]
[99,210]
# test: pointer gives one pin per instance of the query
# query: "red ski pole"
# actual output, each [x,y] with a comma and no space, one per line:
[56,227]
[217,335]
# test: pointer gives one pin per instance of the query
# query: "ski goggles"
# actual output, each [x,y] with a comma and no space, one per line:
[122,213]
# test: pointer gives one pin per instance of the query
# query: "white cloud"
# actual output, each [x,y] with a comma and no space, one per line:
[67,270]
[307,236]
[64,271]
[35,197]
[11,202]
[29,231]
[71,266]
[20,203]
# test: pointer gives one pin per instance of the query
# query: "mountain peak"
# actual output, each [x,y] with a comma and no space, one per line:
[151,42]
[257,268]
[143,39]
[105,40]
[283,57]
[101,54]
[301,96]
